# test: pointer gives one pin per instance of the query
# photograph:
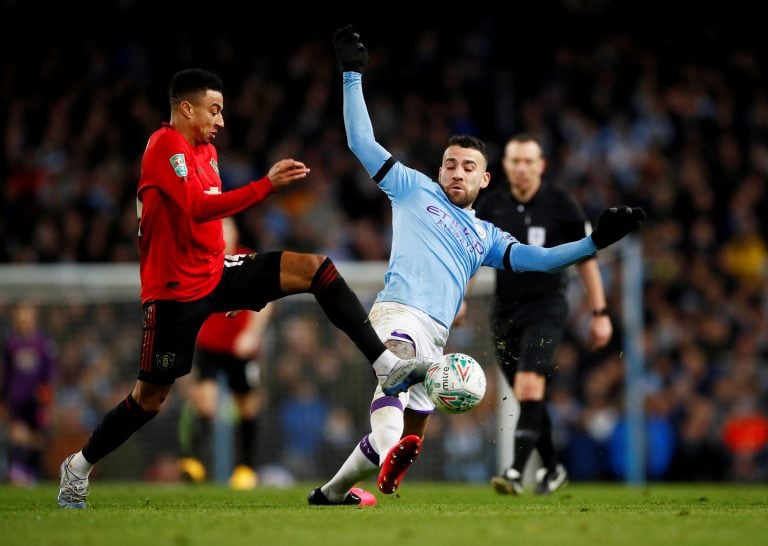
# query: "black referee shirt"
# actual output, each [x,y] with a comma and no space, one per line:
[551,218]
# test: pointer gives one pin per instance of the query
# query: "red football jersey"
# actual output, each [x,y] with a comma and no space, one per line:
[219,332]
[180,206]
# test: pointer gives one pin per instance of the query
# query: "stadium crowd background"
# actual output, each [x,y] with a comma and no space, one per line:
[674,119]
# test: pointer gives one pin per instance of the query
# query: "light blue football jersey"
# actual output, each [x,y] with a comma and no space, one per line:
[436,246]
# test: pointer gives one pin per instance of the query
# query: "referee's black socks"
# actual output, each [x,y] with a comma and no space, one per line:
[528,431]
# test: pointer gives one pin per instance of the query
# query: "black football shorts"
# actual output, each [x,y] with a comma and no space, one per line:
[526,339]
[170,328]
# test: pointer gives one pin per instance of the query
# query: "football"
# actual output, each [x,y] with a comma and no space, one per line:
[455,383]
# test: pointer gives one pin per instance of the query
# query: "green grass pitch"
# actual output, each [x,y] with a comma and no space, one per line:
[420,514]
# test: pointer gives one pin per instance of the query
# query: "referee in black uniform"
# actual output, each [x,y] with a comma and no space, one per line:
[530,309]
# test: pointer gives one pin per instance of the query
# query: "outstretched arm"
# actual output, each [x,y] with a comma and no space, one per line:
[359,128]
[524,257]
[204,207]
[613,224]
[353,56]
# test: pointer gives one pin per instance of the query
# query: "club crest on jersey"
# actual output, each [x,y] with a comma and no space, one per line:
[179,165]
[215,165]
[165,360]
[480,231]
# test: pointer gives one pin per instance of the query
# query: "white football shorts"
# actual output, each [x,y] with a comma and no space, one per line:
[396,321]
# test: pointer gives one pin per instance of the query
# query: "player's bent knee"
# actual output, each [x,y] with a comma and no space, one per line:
[298,271]
[403,349]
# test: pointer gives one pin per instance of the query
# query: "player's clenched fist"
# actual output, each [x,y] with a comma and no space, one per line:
[350,51]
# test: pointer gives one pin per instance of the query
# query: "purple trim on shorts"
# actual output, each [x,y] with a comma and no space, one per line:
[402,335]
[423,412]
[368,451]
[385,401]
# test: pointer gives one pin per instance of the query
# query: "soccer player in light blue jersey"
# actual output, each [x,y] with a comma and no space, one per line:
[438,244]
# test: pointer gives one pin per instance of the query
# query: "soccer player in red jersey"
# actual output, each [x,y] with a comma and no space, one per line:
[184,276]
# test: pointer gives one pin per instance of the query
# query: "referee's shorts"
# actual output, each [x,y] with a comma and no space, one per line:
[526,338]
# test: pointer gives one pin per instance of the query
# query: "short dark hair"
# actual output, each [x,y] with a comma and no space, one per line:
[524,137]
[467,141]
[187,83]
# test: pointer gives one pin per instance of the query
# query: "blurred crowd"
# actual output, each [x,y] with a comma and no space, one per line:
[675,121]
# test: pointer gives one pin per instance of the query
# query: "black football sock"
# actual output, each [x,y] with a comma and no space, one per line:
[545,446]
[115,428]
[201,442]
[527,432]
[344,310]
[247,434]
[34,462]
[18,456]
[186,432]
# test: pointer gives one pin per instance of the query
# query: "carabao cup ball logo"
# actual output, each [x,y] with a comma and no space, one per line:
[455,383]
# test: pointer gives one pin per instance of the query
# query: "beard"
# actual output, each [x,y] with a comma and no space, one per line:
[461,198]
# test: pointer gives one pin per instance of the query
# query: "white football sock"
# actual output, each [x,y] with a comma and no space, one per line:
[384,364]
[79,465]
[386,429]
[356,468]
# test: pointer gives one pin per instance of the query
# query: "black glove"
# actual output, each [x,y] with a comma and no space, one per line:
[615,223]
[350,51]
